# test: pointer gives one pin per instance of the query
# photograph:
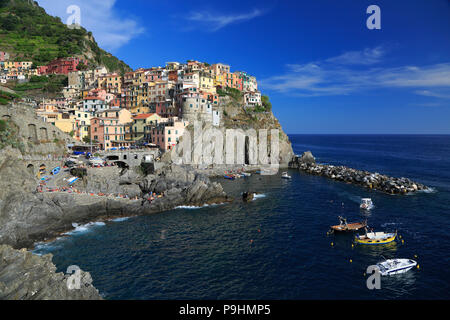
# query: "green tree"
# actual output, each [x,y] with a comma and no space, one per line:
[87,139]
[10,22]
[81,66]
[266,103]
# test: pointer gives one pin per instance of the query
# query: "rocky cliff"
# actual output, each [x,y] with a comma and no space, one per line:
[233,115]
[25,276]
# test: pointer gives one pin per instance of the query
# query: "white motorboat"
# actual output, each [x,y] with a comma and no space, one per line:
[395,266]
[246,174]
[285,175]
[366,204]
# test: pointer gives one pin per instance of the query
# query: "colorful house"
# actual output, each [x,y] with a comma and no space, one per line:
[141,123]
[63,65]
[166,135]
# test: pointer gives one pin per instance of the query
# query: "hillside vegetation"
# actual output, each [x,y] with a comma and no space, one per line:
[28,33]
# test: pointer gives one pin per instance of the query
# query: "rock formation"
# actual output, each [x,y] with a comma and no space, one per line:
[26,276]
[234,116]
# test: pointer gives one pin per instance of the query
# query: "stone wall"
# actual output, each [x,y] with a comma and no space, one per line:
[31,127]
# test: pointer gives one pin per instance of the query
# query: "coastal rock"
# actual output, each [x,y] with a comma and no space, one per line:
[112,180]
[194,188]
[306,158]
[26,276]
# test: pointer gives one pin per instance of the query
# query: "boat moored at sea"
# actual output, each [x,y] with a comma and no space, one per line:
[395,266]
[366,204]
[374,238]
[285,175]
[343,226]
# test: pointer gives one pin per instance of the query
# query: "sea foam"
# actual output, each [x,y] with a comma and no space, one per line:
[84,227]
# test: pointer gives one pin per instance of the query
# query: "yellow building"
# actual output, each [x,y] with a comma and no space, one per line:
[140,109]
[142,123]
[220,80]
[82,124]
[207,82]
[9,65]
[65,122]
[25,64]
[112,83]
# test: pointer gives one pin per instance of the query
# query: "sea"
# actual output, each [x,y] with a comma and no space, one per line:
[277,246]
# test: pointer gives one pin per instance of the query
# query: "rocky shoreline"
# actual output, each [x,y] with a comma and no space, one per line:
[38,217]
[366,179]
[26,276]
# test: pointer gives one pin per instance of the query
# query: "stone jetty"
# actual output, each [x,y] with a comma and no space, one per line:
[374,181]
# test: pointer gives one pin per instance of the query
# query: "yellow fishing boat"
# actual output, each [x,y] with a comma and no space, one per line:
[374,238]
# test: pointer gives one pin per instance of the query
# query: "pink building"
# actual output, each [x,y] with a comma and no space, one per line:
[166,135]
[4,56]
[98,132]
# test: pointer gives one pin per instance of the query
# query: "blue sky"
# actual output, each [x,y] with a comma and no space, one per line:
[324,70]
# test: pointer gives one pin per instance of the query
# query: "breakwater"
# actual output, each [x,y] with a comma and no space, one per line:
[370,180]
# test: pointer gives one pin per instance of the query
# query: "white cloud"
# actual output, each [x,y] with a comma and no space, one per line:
[214,21]
[335,76]
[110,29]
[434,94]
[365,57]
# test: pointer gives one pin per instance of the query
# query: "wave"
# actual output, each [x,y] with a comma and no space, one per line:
[428,190]
[192,207]
[259,196]
[390,224]
[120,219]
[42,248]
[199,207]
[84,227]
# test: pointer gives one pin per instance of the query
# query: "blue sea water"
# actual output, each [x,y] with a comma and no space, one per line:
[277,247]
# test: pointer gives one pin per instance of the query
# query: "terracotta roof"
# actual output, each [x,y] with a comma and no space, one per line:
[143,116]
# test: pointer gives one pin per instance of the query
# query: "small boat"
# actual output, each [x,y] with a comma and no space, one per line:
[395,266]
[248,196]
[229,177]
[366,204]
[374,238]
[72,180]
[348,227]
[246,174]
[285,175]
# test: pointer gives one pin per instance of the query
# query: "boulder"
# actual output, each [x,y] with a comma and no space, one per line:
[307,158]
